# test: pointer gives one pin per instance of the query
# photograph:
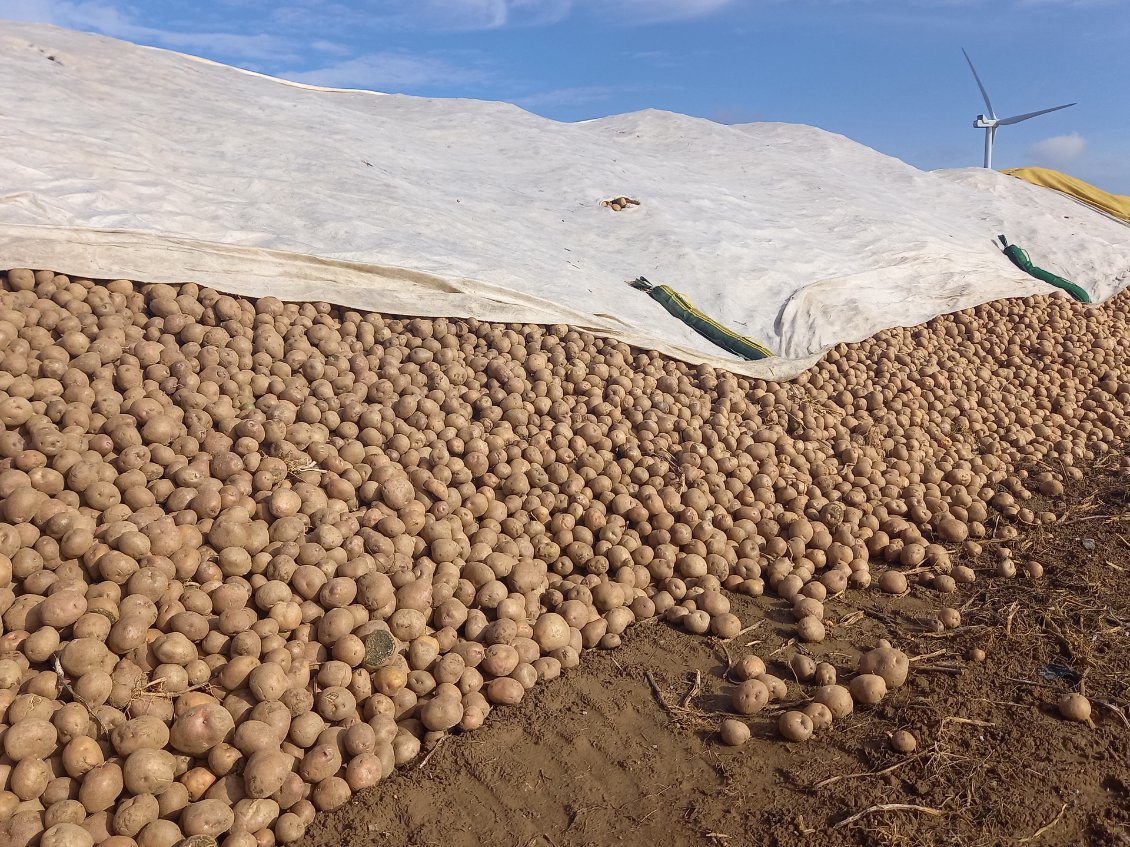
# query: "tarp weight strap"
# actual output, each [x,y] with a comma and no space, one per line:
[683,309]
[1021,260]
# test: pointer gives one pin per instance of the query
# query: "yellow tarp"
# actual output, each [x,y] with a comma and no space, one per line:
[1117,205]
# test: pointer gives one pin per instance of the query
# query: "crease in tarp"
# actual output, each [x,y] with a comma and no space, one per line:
[260,272]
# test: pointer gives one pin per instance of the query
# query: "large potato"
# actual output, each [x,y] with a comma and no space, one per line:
[31,738]
[101,786]
[200,728]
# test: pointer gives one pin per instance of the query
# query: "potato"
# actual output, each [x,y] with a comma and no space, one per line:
[363,771]
[66,835]
[803,667]
[482,502]
[289,828]
[29,738]
[207,817]
[551,632]
[810,628]
[252,735]
[265,772]
[145,732]
[134,813]
[442,713]
[253,815]
[903,741]
[330,794]
[101,786]
[747,667]
[775,685]
[868,689]
[200,728]
[734,733]
[837,698]
[148,771]
[819,714]
[81,755]
[1075,707]
[83,655]
[159,833]
[891,664]
[504,691]
[750,697]
[795,726]
[29,779]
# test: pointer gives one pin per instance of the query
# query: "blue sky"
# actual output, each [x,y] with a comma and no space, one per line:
[886,73]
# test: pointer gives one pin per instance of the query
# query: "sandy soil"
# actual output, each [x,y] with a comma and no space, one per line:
[596,759]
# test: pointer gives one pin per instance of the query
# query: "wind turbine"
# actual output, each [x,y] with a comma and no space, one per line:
[990,123]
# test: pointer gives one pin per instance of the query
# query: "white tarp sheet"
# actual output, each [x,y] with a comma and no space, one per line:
[132,162]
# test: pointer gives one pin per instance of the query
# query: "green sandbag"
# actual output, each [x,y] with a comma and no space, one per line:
[1021,260]
[683,309]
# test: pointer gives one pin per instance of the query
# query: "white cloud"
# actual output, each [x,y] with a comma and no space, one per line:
[493,14]
[459,15]
[390,70]
[108,19]
[659,11]
[1058,150]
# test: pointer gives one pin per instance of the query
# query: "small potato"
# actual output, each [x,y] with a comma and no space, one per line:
[747,667]
[811,629]
[442,713]
[825,674]
[950,618]
[66,835]
[891,664]
[251,816]
[868,688]
[903,741]
[200,728]
[725,625]
[893,582]
[795,726]
[775,685]
[330,794]
[750,697]
[148,771]
[734,733]
[134,813]
[1075,707]
[207,817]
[101,786]
[30,739]
[820,715]
[836,698]
[803,667]
[504,691]
[145,732]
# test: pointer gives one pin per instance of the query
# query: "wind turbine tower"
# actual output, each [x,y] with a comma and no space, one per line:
[990,122]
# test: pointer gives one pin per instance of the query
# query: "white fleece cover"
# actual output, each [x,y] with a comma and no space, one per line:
[127,161]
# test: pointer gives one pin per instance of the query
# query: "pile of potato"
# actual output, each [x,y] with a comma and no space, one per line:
[618,204]
[255,555]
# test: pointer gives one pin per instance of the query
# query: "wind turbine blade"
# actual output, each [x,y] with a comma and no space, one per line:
[1018,118]
[980,85]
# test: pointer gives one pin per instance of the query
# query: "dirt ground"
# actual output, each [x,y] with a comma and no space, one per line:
[596,759]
